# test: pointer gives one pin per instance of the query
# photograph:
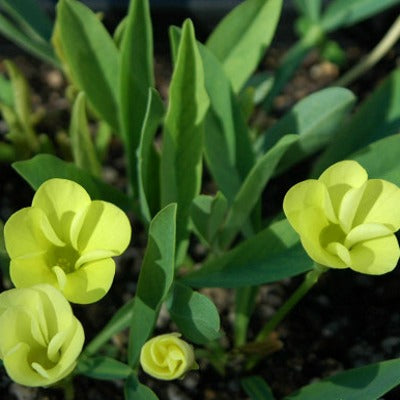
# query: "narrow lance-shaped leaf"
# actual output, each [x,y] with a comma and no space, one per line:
[148,158]
[257,388]
[195,314]
[341,13]
[134,390]
[241,38]
[369,382]
[82,145]
[155,279]
[273,254]
[101,367]
[45,166]
[91,56]
[135,78]
[181,158]
[315,119]
[377,117]
[252,189]
[310,8]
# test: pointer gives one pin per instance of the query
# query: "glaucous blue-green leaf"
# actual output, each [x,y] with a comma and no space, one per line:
[45,166]
[227,146]
[148,158]
[315,119]
[91,57]
[182,149]
[155,279]
[207,214]
[340,13]
[273,254]
[381,159]
[136,76]
[134,390]
[256,388]
[377,117]
[81,142]
[369,382]
[195,314]
[103,368]
[239,41]
[252,188]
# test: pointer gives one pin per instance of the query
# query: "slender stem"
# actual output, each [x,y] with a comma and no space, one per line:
[386,43]
[310,280]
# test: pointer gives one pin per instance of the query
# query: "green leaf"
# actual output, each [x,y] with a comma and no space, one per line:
[378,167]
[273,254]
[181,158]
[310,9]
[135,79]
[6,91]
[155,279]
[195,314]
[44,166]
[227,146]
[241,38]
[148,157]
[257,388]
[376,118]
[315,119]
[207,214]
[340,13]
[369,382]
[252,189]
[103,368]
[91,56]
[134,390]
[30,17]
[82,145]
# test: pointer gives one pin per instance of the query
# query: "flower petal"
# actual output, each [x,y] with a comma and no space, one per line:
[28,232]
[90,282]
[376,256]
[104,227]
[366,232]
[348,172]
[379,204]
[26,272]
[60,199]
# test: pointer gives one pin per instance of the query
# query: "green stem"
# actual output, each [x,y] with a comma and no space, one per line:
[310,280]
[386,43]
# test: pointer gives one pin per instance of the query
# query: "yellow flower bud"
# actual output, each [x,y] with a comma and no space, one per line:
[167,357]
[346,220]
[40,338]
[66,240]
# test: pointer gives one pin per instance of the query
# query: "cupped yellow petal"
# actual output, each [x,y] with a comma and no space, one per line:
[28,232]
[347,172]
[375,257]
[103,227]
[365,232]
[90,282]
[61,199]
[167,357]
[25,272]
[379,204]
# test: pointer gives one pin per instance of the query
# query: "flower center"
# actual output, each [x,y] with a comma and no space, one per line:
[63,257]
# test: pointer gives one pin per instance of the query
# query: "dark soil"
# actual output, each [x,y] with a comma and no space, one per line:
[347,320]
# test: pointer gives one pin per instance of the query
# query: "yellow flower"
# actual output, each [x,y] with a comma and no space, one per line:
[40,338]
[167,357]
[346,220]
[66,240]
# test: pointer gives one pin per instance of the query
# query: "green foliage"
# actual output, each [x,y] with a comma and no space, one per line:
[369,382]
[91,58]
[181,157]
[103,368]
[273,254]
[134,390]
[155,279]
[257,388]
[195,314]
[241,38]
[44,166]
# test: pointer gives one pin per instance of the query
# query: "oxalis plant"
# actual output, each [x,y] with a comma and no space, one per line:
[60,249]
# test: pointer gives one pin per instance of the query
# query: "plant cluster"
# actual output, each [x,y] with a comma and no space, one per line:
[61,248]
